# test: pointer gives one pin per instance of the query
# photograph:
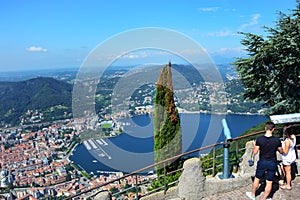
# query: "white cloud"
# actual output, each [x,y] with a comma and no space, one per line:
[223,33]
[209,9]
[253,21]
[144,54]
[230,51]
[131,56]
[36,49]
[135,55]
[224,49]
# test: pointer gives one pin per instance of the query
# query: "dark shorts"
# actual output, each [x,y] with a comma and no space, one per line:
[268,167]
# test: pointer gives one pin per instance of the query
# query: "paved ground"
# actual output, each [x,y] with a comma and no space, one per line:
[278,194]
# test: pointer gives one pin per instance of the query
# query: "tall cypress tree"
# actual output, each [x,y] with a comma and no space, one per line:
[167,130]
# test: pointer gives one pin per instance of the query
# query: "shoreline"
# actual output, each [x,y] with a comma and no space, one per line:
[239,116]
[219,113]
[200,112]
[182,111]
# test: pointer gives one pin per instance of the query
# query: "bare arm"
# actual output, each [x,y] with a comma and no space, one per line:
[286,145]
[255,149]
[280,150]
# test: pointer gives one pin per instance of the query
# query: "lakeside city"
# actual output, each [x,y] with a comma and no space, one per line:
[35,155]
[132,100]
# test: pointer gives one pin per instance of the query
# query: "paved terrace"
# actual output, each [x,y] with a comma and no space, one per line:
[278,194]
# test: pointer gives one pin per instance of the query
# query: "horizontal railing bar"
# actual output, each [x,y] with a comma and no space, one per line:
[219,165]
[155,190]
[174,182]
[174,171]
[208,169]
[248,135]
[124,190]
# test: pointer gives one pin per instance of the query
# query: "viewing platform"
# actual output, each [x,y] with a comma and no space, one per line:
[279,194]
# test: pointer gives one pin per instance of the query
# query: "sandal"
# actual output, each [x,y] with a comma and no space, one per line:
[285,187]
[281,183]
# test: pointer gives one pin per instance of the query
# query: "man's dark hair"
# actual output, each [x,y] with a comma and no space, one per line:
[269,126]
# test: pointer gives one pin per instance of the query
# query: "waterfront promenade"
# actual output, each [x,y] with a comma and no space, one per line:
[278,194]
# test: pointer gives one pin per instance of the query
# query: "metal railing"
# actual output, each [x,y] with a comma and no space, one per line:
[237,149]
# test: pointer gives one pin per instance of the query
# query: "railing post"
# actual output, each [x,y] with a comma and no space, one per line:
[136,187]
[214,161]
[226,161]
[237,150]
[226,146]
[165,179]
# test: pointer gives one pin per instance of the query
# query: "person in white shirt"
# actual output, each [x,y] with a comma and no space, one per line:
[288,156]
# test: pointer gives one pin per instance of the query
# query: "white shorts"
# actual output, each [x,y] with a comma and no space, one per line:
[286,162]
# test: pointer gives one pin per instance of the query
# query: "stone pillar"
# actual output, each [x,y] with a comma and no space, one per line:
[244,165]
[191,182]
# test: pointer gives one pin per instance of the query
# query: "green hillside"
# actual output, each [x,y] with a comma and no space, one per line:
[40,93]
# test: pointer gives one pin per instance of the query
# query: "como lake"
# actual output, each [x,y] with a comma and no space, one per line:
[133,148]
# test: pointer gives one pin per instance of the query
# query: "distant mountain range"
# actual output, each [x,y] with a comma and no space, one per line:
[50,88]
[37,93]
[69,74]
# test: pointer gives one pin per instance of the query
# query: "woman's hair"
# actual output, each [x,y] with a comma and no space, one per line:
[287,131]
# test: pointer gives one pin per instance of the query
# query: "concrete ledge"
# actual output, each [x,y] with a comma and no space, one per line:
[215,185]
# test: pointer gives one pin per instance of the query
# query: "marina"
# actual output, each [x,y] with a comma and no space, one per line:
[95,146]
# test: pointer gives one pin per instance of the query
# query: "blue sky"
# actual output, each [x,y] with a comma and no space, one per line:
[61,33]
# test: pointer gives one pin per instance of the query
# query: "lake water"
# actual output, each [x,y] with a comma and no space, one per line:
[133,149]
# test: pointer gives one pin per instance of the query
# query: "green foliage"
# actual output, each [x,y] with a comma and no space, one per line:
[207,160]
[167,130]
[170,178]
[92,134]
[237,102]
[271,73]
[108,126]
[113,190]
[84,173]
[38,93]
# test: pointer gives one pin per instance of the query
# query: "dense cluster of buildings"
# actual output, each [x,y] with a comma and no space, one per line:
[35,158]
[35,164]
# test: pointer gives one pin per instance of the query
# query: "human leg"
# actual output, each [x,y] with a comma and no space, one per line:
[288,174]
[270,175]
[255,185]
[260,172]
[268,189]
[282,175]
